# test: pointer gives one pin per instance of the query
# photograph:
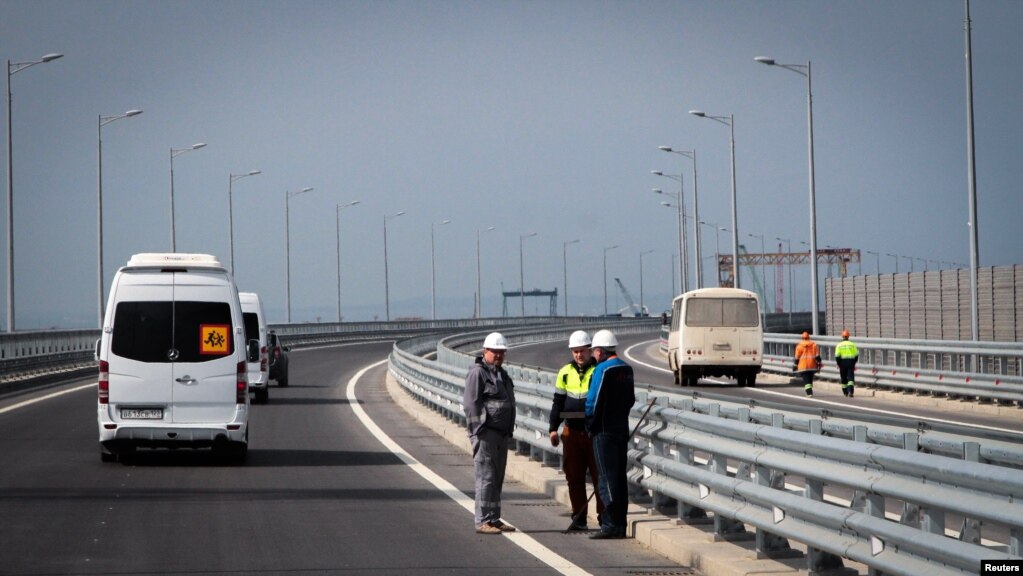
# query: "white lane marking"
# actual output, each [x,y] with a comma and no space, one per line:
[524,541]
[47,397]
[829,402]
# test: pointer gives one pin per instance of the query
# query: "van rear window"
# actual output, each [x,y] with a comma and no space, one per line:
[251,325]
[720,312]
[172,331]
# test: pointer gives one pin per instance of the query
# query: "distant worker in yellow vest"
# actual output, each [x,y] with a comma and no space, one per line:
[807,362]
[569,407]
[846,356]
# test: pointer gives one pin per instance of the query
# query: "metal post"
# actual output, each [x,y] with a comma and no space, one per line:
[433,273]
[564,257]
[522,281]
[12,69]
[972,178]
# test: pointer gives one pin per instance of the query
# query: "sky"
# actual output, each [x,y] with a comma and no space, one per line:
[524,116]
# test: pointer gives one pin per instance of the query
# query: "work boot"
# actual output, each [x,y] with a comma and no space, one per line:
[809,392]
[845,391]
[487,529]
[502,526]
[851,391]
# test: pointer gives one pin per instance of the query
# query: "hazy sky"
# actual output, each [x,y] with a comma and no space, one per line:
[527,116]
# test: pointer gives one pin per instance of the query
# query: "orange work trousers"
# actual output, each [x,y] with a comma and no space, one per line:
[577,458]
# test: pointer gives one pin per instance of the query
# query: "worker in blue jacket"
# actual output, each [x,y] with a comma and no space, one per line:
[609,402]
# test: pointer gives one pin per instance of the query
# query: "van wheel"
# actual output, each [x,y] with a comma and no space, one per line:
[282,382]
[106,455]
[262,395]
[694,380]
[678,377]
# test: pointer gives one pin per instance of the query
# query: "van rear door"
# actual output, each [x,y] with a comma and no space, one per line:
[208,332]
[140,345]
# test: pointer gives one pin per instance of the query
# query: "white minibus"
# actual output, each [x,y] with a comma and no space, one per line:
[716,332]
[172,359]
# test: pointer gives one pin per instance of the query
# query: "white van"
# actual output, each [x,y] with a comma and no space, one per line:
[172,370]
[256,346]
[716,332]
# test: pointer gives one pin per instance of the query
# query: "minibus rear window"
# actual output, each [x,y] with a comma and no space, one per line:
[722,312]
[251,325]
[172,331]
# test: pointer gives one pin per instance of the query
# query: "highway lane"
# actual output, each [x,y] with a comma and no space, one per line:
[320,494]
[650,364]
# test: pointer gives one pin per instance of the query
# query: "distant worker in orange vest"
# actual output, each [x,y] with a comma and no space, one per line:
[807,362]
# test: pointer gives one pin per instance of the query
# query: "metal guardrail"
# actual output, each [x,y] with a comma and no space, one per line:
[747,463]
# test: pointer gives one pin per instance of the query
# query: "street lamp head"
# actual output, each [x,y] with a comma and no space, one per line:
[657,191]
[530,235]
[306,189]
[445,222]
[665,148]
[198,145]
[657,173]
[254,172]
[131,113]
[667,204]
[699,113]
[51,57]
[765,60]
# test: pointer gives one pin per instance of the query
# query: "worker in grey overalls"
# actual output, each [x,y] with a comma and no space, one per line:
[489,404]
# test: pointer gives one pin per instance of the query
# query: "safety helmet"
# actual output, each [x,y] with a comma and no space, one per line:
[604,339]
[806,335]
[579,338]
[845,333]
[495,341]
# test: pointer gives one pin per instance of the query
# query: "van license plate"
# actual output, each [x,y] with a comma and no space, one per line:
[142,413]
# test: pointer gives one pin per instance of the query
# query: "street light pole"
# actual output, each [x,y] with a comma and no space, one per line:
[177,152]
[337,214]
[799,69]
[642,306]
[896,261]
[387,287]
[564,258]
[12,69]
[691,154]
[479,296]
[763,266]
[683,236]
[605,275]
[788,248]
[522,280]
[730,122]
[972,178]
[433,273]
[230,208]
[101,122]
[287,241]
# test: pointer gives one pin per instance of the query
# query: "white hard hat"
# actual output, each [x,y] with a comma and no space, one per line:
[495,341]
[604,339]
[578,338]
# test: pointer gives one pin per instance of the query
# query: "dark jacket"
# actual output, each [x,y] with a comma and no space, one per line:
[611,397]
[489,399]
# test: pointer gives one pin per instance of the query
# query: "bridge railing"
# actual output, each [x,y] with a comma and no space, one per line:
[784,480]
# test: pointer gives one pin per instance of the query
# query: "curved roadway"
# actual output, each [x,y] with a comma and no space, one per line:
[321,493]
[651,367]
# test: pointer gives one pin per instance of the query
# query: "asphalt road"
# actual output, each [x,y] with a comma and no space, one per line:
[320,494]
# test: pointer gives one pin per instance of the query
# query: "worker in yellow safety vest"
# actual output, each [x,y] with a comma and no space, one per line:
[846,356]
[569,407]
[807,362]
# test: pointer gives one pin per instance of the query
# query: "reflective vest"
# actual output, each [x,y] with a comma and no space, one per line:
[807,354]
[846,350]
[571,384]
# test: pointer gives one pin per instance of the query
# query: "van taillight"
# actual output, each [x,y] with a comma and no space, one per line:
[104,382]
[242,386]
[263,359]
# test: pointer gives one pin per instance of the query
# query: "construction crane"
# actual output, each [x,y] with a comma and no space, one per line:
[637,311]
